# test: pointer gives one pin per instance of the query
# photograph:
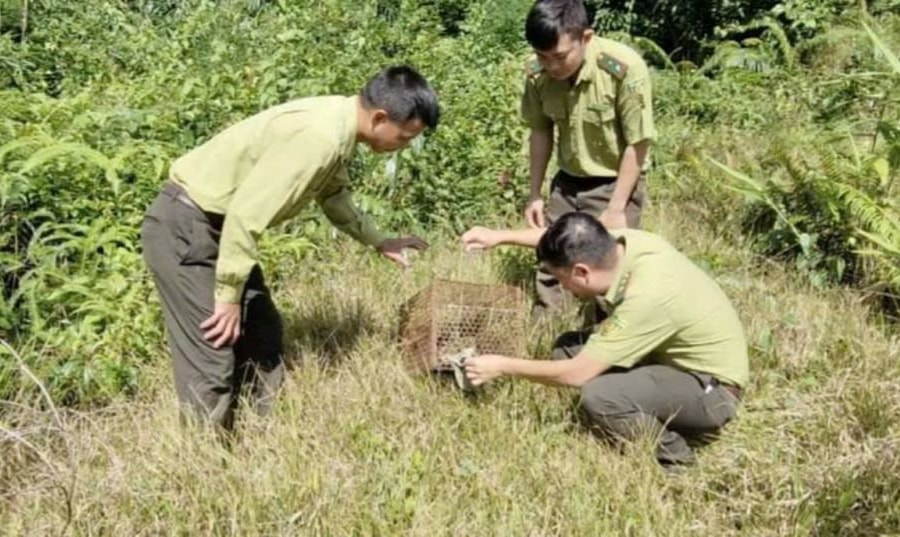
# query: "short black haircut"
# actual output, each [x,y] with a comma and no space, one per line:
[404,94]
[549,19]
[577,238]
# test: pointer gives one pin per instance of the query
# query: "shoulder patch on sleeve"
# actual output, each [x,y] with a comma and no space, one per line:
[610,326]
[636,86]
[613,66]
[533,67]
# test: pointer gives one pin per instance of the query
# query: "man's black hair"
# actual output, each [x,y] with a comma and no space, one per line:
[549,19]
[404,94]
[577,238]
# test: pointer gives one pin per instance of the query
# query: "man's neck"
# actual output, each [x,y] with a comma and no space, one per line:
[572,80]
[362,119]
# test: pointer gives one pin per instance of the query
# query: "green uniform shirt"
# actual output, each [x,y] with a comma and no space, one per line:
[265,170]
[665,309]
[608,108]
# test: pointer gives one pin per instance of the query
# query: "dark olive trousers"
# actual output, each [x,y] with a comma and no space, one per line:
[658,400]
[589,195]
[181,244]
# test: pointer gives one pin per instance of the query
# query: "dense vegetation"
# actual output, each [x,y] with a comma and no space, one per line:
[776,169]
[798,117]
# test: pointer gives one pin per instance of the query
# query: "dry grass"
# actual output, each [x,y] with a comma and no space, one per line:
[359,447]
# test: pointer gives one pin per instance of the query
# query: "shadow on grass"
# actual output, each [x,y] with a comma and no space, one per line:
[329,331]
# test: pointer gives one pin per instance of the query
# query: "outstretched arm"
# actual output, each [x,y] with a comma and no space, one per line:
[482,238]
[572,372]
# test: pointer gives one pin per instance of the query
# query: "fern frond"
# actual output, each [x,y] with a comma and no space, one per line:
[39,139]
[647,46]
[770,27]
[731,55]
[79,151]
[873,217]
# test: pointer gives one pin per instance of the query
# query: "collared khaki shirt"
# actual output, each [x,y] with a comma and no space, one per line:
[664,309]
[265,170]
[606,109]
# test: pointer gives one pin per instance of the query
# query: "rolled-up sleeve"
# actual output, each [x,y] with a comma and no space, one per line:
[531,108]
[634,102]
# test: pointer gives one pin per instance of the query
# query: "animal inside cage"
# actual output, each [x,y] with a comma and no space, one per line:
[448,317]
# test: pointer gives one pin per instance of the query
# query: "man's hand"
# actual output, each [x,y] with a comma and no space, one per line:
[613,219]
[393,248]
[484,368]
[534,213]
[480,238]
[224,326]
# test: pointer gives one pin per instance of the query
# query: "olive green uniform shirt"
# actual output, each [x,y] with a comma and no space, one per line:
[608,108]
[665,309]
[265,170]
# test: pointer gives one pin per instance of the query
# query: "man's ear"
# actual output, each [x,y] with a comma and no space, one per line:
[586,36]
[580,271]
[378,116]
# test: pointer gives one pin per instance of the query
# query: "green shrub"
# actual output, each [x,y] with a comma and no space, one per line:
[97,98]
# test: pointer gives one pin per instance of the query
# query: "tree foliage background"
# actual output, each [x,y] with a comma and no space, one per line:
[779,125]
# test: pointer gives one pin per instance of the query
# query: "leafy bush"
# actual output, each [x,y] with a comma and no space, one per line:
[98,97]
[86,139]
[831,192]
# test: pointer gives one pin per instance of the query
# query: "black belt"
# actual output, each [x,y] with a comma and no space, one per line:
[177,193]
[565,179]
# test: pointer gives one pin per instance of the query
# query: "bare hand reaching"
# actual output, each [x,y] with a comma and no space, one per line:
[480,238]
[393,248]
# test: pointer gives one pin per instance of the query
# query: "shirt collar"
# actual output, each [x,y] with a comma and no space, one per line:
[616,292]
[589,67]
[351,124]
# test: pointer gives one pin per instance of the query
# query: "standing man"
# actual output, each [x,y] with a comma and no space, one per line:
[594,94]
[670,358]
[200,234]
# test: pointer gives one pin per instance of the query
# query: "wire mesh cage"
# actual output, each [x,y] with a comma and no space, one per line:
[448,316]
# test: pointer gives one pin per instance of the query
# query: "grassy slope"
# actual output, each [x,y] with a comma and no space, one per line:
[359,447]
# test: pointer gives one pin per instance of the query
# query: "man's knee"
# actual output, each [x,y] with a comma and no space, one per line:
[205,402]
[604,402]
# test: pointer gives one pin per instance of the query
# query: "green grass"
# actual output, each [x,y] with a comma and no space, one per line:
[360,447]
[357,445]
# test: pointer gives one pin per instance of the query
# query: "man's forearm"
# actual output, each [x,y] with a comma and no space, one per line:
[520,237]
[554,372]
[347,217]
[629,171]
[540,147]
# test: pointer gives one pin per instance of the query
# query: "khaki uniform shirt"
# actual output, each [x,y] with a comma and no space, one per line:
[265,170]
[608,108]
[664,309]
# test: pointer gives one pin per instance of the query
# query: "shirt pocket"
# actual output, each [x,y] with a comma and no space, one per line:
[202,244]
[555,110]
[600,113]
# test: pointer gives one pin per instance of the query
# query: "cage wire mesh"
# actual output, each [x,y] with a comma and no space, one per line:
[449,316]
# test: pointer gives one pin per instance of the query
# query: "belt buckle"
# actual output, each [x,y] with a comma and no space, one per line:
[183,198]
